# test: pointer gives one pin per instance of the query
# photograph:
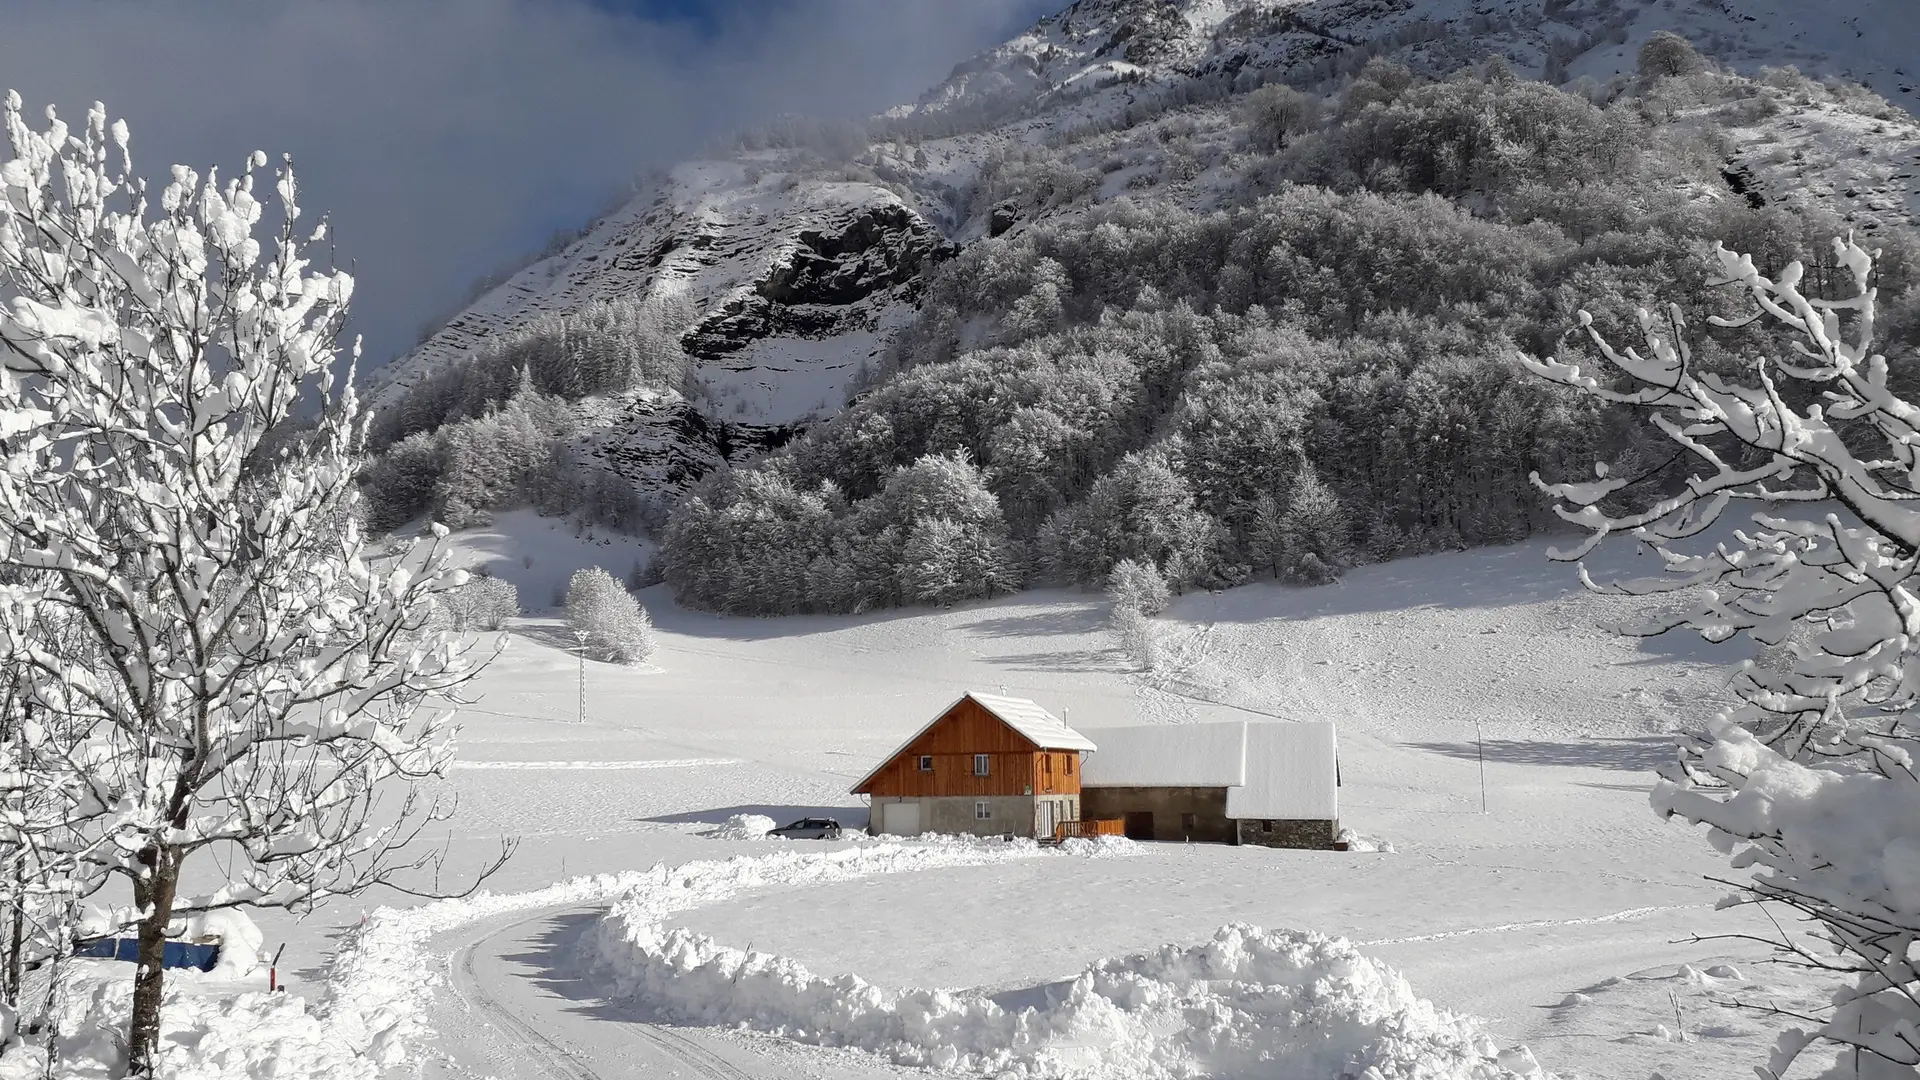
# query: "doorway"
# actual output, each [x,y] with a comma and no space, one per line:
[1139,825]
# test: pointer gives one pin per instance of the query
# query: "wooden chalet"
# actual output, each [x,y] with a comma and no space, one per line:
[987,765]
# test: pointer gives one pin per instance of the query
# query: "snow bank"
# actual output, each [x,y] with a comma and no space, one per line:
[1359,841]
[1249,1002]
[742,827]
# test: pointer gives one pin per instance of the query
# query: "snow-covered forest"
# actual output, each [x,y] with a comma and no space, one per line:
[1134,376]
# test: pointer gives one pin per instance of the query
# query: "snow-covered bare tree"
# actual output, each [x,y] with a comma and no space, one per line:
[610,624]
[483,603]
[1135,590]
[248,678]
[1811,779]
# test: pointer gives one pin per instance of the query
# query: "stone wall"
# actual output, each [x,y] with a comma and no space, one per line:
[1315,835]
[1179,813]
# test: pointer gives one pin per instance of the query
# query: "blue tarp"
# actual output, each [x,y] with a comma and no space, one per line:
[173,954]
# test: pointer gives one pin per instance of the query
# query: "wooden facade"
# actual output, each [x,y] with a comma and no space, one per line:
[940,762]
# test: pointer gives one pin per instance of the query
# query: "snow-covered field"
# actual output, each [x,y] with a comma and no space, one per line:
[1560,918]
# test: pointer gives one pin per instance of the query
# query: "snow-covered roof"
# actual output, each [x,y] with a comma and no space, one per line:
[1292,773]
[1168,755]
[1271,769]
[1042,728]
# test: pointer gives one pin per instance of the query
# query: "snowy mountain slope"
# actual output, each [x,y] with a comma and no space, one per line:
[799,269]
[1165,42]
[771,264]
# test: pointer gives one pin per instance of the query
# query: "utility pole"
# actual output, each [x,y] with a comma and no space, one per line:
[1481,743]
[580,650]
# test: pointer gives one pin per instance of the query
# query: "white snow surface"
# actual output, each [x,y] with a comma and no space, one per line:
[1566,882]
[1172,755]
[1292,773]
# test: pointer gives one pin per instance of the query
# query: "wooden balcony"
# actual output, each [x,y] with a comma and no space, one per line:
[1107,827]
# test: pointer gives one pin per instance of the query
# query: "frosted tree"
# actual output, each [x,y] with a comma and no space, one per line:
[483,603]
[1135,590]
[247,678]
[1810,781]
[1312,536]
[608,622]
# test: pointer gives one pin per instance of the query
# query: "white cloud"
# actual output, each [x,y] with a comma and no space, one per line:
[445,136]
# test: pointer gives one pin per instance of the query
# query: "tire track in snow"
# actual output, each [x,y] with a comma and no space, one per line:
[554,1057]
[1618,916]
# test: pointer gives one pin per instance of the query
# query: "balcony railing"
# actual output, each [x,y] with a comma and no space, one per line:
[1107,827]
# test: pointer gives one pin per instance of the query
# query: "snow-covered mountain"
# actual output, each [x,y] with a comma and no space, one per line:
[800,267]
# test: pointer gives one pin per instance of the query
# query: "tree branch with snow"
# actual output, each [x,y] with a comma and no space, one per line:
[1809,781]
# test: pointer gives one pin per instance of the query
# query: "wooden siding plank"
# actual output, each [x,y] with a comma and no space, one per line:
[1015,765]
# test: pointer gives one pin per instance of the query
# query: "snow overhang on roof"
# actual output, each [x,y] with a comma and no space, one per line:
[1040,727]
[1292,774]
[1274,770]
[1168,755]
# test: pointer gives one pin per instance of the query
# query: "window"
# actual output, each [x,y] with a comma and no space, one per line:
[1187,823]
[980,762]
[1046,765]
[1266,826]
[983,811]
[1069,764]
[926,762]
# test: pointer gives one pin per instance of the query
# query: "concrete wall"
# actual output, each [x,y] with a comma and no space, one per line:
[1169,806]
[1316,835]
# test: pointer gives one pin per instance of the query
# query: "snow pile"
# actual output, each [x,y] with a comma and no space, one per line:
[206,1036]
[1099,847]
[240,941]
[1358,841]
[1249,1002]
[743,827]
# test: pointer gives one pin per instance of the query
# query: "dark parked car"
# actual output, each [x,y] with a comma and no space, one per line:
[813,828]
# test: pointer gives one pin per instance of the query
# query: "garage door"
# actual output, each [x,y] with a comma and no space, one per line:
[901,819]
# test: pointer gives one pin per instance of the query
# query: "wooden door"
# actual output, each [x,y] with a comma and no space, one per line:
[1140,825]
[1044,828]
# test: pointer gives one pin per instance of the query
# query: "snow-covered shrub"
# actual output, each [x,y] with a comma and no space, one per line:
[1811,778]
[483,603]
[1138,586]
[609,623]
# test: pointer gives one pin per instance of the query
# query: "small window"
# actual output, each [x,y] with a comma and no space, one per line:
[1069,764]
[983,811]
[1046,765]
[926,762]
[1266,826]
[980,764]
[1187,823]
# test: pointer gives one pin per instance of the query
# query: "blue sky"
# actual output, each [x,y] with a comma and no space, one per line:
[445,137]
